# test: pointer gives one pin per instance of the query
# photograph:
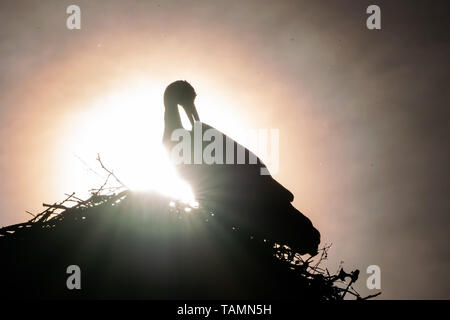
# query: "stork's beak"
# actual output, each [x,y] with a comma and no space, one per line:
[191,112]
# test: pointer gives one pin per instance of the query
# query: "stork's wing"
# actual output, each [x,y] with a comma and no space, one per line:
[239,180]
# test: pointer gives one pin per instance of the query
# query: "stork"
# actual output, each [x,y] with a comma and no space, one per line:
[239,192]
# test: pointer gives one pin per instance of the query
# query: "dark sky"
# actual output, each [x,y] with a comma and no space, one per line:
[363,115]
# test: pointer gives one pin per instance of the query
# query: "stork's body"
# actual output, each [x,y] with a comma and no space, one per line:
[239,192]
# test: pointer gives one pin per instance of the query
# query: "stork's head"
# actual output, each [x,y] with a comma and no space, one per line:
[182,93]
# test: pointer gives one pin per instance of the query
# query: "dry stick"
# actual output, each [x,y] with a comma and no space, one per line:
[322,255]
[38,215]
[352,280]
[49,211]
[76,198]
[30,213]
[103,185]
[371,296]
[353,293]
[110,172]
[94,190]
[87,166]
[55,206]
[81,202]
[42,216]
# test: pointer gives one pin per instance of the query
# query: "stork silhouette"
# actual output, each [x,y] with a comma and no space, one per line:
[238,192]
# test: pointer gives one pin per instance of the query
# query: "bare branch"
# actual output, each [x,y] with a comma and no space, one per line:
[30,213]
[111,173]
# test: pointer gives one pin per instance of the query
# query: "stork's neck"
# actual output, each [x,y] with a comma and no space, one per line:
[172,120]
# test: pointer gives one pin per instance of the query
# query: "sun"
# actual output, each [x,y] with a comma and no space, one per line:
[125,127]
[124,124]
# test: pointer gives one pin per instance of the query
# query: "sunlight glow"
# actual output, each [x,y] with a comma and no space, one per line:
[125,127]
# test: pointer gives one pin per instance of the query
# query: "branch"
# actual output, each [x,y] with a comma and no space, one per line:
[54,206]
[371,296]
[109,172]
[30,213]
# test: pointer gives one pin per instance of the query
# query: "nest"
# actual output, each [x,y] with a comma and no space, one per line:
[144,245]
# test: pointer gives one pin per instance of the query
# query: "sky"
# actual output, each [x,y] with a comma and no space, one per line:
[363,115]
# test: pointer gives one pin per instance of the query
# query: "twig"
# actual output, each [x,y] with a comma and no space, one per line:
[103,185]
[371,296]
[30,213]
[73,196]
[110,172]
[55,206]
[87,166]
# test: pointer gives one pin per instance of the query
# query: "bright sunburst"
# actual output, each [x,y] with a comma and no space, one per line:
[125,127]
